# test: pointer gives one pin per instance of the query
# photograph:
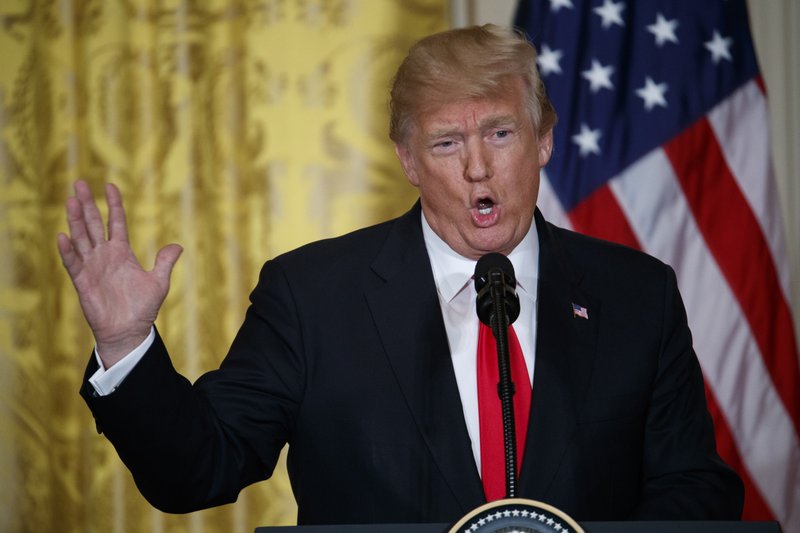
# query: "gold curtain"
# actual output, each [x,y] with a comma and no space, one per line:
[239,129]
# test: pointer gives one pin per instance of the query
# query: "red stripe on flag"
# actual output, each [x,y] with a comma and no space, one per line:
[761,85]
[601,216]
[734,238]
[755,507]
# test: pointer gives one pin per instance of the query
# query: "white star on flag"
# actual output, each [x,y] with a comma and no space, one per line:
[555,5]
[588,140]
[599,76]
[664,30]
[548,60]
[719,47]
[611,13]
[652,93]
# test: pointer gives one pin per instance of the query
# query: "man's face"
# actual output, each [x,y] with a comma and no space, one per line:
[476,164]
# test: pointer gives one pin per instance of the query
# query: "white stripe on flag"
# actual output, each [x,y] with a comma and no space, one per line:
[652,199]
[549,204]
[741,126]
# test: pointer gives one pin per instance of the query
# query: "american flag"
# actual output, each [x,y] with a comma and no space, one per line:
[580,311]
[662,144]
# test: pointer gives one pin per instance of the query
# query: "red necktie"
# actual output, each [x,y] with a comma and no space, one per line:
[493,470]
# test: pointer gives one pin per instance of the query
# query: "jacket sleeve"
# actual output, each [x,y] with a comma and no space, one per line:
[195,446]
[683,476]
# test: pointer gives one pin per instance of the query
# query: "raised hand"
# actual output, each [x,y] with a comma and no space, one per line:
[119,299]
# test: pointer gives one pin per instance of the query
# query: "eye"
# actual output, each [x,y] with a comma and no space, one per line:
[444,146]
[502,134]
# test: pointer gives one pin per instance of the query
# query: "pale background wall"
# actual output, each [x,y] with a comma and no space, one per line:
[774,24]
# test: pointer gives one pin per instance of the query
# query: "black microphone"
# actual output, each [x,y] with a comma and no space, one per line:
[498,306]
[494,279]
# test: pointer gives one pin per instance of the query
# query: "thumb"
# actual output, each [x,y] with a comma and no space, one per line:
[165,261]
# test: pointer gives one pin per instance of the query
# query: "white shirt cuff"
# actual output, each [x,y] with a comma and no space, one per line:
[106,381]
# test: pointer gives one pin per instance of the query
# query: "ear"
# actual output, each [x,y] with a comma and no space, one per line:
[407,162]
[545,147]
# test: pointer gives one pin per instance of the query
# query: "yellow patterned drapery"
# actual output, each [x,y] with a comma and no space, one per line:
[239,129]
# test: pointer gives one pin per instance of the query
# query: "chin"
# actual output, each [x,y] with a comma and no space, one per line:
[487,248]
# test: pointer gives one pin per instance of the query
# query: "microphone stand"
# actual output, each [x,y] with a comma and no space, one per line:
[505,387]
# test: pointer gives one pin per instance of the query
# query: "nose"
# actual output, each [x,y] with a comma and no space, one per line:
[477,165]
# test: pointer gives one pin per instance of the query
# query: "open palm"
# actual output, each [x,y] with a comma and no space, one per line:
[119,299]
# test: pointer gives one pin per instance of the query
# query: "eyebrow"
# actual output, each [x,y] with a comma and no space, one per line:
[499,120]
[491,122]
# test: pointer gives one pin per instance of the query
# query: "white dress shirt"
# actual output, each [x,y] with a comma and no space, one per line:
[106,381]
[452,275]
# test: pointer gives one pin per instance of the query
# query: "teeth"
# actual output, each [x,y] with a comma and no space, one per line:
[485,207]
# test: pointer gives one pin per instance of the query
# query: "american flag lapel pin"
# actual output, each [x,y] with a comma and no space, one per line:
[578,311]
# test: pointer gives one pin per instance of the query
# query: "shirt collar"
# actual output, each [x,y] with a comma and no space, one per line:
[452,272]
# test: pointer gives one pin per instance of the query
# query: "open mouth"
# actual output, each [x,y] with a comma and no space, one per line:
[485,206]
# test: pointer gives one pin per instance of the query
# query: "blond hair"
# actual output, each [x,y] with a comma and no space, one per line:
[465,63]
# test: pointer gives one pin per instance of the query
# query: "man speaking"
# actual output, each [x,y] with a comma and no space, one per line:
[365,354]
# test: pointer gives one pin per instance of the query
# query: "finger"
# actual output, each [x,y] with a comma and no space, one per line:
[77,227]
[165,261]
[72,261]
[117,225]
[91,215]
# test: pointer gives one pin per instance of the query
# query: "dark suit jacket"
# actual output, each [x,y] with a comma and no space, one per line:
[343,354]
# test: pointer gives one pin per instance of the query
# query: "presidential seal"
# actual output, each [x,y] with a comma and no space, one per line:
[516,515]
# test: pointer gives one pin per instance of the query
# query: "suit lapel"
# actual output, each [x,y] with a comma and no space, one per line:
[565,349]
[409,321]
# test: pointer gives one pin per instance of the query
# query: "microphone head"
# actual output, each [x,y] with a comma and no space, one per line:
[494,278]
[493,261]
